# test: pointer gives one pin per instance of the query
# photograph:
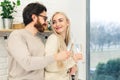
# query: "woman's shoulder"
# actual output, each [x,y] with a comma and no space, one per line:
[53,36]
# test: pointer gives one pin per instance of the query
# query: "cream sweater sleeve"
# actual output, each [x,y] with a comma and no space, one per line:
[51,48]
[19,51]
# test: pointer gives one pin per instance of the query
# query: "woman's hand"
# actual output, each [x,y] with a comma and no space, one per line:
[73,70]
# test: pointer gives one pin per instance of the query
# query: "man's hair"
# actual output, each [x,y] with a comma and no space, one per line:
[32,8]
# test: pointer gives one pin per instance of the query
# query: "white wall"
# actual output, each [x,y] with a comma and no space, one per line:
[76,11]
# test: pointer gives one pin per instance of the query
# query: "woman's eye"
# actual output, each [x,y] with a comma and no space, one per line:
[60,20]
[53,22]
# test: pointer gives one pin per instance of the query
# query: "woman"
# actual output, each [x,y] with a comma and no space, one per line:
[57,42]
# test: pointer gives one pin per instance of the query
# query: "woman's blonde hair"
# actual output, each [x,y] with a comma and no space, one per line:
[63,43]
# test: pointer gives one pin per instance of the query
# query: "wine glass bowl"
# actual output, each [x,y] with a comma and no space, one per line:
[77,48]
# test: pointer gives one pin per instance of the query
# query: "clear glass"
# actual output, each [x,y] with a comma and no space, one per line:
[70,46]
[77,48]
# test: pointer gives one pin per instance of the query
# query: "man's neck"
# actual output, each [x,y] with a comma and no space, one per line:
[31,28]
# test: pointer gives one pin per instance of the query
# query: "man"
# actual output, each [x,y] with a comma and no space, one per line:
[25,48]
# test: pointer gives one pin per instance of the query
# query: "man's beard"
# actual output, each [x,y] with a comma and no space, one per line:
[39,26]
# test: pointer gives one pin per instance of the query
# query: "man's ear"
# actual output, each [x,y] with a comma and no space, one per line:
[34,17]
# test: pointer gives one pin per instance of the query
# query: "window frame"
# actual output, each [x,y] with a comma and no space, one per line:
[87,39]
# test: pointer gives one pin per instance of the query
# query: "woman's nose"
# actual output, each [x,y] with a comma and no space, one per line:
[57,23]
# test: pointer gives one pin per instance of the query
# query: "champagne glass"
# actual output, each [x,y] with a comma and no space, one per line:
[71,43]
[77,48]
[78,52]
[69,47]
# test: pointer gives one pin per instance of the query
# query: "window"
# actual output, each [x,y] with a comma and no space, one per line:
[104,40]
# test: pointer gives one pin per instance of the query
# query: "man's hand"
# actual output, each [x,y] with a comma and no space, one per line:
[63,55]
[77,56]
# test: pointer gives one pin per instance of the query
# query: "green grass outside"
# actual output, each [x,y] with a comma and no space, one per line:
[96,57]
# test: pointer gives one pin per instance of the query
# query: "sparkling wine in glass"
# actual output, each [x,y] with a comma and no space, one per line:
[78,48]
[70,46]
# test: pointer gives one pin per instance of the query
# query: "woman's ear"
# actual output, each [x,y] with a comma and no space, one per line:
[68,23]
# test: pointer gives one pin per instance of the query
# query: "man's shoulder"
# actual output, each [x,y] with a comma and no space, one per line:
[17,32]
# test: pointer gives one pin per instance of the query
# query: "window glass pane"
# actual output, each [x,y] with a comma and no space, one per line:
[104,40]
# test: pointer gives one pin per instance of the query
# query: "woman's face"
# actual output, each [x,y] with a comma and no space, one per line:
[59,23]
